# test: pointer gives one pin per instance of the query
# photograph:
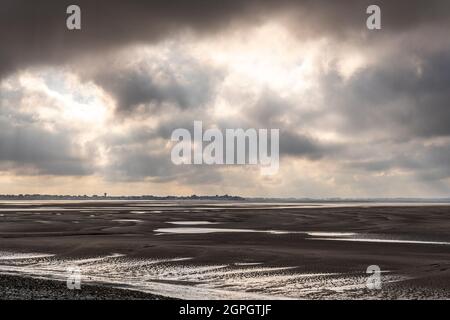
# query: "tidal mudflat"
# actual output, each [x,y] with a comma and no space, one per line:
[226,250]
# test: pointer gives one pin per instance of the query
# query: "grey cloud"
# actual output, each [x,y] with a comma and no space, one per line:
[426,163]
[274,112]
[34,32]
[28,148]
[394,97]
[293,144]
[136,136]
[147,163]
[139,154]
[32,150]
[138,165]
[189,86]
[269,110]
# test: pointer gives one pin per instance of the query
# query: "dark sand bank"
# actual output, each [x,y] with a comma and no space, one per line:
[25,288]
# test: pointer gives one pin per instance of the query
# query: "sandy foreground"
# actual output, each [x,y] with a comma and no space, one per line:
[223,250]
[25,288]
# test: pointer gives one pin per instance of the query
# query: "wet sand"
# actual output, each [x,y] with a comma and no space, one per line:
[25,288]
[229,250]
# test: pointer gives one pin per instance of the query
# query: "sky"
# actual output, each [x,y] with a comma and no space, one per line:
[361,113]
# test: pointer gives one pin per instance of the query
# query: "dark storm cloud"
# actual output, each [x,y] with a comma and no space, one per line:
[149,162]
[426,162]
[297,145]
[402,98]
[34,32]
[29,149]
[387,161]
[165,128]
[159,86]
[138,164]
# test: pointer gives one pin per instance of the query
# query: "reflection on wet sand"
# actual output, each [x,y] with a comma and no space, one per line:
[180,278]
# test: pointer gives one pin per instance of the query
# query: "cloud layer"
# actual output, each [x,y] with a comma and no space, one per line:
[360,113]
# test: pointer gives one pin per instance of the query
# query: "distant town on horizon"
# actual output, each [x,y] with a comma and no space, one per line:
[224,197]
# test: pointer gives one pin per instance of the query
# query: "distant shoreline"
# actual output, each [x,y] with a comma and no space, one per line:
[130,198]
[226,197]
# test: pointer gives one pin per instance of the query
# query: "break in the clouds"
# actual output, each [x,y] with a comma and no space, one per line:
[360,112]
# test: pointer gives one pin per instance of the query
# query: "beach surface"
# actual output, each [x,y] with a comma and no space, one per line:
[223,250]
